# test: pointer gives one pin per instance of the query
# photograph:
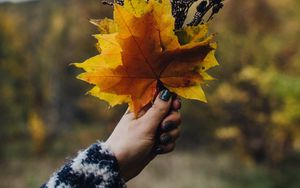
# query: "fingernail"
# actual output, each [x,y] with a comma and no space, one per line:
[165,139]
[165,95]
[168,126]
[158,150]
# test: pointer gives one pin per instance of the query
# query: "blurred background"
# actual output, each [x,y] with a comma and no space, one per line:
[248,135]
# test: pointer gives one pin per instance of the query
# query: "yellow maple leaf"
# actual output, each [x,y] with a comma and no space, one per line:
[139,51]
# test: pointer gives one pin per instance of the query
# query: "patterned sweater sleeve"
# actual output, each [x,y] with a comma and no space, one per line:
[95,167]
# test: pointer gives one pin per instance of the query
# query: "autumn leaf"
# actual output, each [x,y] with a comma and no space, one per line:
[140,51]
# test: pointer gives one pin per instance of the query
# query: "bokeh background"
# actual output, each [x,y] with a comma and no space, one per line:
[248,135]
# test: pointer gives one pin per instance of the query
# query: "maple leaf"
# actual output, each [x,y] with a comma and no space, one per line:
[140,50]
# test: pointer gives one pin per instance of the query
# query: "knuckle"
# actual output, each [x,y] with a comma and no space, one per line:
[176,133]
[176,117]
[179,120]
[169,148]
[159,108]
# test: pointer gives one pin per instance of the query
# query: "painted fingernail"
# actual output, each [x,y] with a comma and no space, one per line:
[165,95]
[158,150]
[168,126]
[165,139]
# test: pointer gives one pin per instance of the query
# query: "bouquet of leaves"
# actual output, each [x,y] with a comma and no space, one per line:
[146,48]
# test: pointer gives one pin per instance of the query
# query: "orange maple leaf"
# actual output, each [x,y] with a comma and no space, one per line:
[139,51]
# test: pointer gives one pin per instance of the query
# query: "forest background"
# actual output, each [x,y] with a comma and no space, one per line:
[248,135]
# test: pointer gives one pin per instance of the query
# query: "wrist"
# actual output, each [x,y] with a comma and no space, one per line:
[120,157]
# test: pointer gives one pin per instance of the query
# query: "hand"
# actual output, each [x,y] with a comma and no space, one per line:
[136,141]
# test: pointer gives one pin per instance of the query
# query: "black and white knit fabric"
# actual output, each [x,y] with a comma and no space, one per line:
[95,167]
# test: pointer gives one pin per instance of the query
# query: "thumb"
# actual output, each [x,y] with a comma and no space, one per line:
[159,110]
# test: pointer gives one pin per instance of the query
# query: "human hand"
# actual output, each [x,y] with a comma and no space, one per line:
[136,141]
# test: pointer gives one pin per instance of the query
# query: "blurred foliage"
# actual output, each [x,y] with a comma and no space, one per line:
[253,110]
[256,98]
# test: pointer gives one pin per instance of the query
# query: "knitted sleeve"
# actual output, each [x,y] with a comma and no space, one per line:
[95,167]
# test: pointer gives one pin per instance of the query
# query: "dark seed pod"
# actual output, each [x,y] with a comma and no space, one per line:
[104,2]
[202,6]
[180,10]
[120,2]
[216,1]
[217,8]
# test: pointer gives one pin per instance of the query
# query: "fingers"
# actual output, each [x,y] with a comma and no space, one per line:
[171,121]
[169,137]
[176,104]
[163,149]
[169,133]
[159,110]
[167,141]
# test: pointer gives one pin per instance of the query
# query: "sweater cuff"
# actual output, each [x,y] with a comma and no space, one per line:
[94,167]
[99,163]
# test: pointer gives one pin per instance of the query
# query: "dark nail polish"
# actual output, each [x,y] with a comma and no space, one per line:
[168,126]
[165,139]
[158,150]
[165,95]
